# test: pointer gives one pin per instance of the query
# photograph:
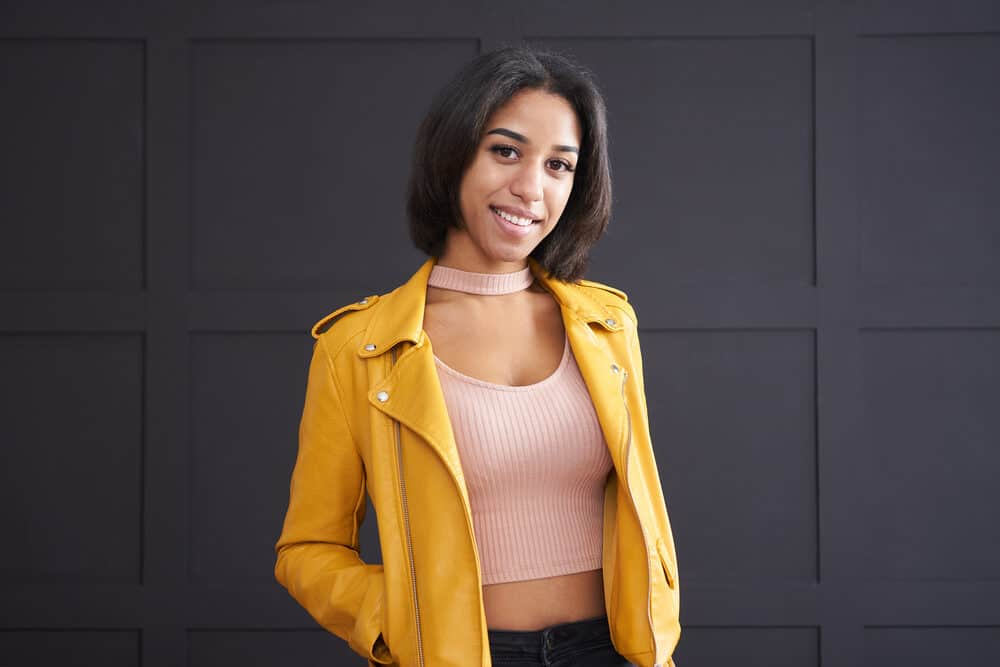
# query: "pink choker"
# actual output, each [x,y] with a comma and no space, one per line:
[447,277]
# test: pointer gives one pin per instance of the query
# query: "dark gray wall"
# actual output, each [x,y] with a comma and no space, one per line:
[807,220]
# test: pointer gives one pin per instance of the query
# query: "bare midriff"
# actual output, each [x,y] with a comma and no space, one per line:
[538,603]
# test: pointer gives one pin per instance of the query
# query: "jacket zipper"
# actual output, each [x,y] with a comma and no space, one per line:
[406,525]
[635,510]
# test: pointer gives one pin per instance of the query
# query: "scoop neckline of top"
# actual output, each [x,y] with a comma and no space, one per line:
[563,362]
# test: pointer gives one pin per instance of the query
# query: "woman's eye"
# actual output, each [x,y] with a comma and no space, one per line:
[504,151]
[560,165]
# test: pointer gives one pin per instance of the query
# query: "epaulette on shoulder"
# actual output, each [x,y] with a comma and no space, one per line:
[321,326]
[606,288]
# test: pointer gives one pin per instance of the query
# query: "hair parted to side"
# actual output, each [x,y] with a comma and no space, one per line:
[453,127]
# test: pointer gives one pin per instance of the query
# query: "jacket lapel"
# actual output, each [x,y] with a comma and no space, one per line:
[604,385]
[593,334]
[413,391]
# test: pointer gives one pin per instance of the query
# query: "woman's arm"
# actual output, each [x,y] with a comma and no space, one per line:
[317,553]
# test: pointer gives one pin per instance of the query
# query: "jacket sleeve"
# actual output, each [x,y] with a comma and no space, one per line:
[317,553]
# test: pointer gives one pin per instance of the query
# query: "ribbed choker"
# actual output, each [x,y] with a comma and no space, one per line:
[447,277]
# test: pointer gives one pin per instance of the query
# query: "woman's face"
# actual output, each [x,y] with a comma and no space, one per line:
[518,183]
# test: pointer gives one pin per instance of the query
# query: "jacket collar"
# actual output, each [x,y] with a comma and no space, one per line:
[400,316]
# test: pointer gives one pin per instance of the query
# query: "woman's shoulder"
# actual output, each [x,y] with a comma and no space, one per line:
[607,288]
[608,296]
[326,326]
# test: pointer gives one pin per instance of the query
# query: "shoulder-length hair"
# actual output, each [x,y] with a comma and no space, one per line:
[452,130]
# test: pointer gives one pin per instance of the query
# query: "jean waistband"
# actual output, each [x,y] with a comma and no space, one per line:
[551,638]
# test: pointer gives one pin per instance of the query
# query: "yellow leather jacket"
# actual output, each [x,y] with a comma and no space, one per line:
[375,417]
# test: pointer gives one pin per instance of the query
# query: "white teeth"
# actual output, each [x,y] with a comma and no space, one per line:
[523,222]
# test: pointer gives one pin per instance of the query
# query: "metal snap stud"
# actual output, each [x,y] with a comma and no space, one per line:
[370,347]
[382,396]
[610,322]
[363,301]
[615,368]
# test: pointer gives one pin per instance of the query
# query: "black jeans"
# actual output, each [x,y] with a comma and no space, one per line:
[578,644]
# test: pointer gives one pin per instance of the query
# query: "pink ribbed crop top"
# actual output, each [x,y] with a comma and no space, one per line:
[535,462]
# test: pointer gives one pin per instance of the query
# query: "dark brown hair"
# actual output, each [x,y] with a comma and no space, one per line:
[452,129]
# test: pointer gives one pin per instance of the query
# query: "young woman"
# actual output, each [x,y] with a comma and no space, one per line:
[492,407]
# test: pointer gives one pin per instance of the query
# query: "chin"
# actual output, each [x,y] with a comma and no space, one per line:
[509,256]
[509,253]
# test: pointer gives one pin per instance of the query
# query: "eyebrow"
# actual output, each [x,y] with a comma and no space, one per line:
[524,140]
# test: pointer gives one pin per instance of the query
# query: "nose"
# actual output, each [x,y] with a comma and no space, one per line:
[527,182]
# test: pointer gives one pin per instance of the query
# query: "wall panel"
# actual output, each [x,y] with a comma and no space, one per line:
[741,489]
[712,111]
[928,159]
[301,156]
[45,647]
[750,646]
[73,449]
[72,134]
[926,466]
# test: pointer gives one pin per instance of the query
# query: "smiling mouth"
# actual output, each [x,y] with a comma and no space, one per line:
[513,219]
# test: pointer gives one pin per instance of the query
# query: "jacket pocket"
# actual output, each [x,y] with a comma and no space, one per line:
[669,569]
[380,653]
